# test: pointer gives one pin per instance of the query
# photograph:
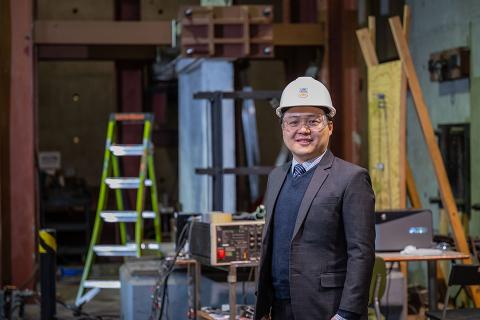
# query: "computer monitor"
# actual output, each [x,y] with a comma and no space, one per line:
[396,229]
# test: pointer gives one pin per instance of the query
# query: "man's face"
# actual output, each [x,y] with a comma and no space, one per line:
[306,132]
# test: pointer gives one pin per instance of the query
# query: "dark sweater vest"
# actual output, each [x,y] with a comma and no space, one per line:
[284,218]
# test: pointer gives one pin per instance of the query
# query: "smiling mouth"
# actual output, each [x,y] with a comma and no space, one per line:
[304,141]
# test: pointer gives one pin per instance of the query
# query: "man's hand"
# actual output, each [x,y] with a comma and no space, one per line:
[337,317]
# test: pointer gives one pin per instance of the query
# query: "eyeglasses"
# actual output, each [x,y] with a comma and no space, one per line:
[316,123]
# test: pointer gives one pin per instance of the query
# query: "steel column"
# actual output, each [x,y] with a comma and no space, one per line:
[217,150]
[5,53]
[432,285]
[21,186]
[130,93]
[344,78]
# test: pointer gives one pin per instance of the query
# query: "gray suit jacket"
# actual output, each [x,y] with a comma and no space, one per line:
[332,251]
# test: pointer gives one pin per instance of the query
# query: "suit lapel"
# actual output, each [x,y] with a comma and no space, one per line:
[319,176]
[276,184]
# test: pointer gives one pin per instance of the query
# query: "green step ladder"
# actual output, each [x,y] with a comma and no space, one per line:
[111,179]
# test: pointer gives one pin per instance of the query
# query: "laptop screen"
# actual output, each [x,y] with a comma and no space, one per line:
[396,229]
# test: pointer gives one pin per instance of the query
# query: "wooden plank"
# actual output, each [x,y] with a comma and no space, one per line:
[373,30]
[412,188]
[385,135]
[404,163]
[397,256]
[402,128]
[425,123]
[103,32]
[299,34]
[407,14]
[367,48]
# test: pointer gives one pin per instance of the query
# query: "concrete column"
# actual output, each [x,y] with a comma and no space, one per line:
[195,149]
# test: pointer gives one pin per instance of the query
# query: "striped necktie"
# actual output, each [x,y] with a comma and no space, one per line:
[298,170]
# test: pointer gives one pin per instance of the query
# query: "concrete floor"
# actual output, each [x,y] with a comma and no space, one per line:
[105,305]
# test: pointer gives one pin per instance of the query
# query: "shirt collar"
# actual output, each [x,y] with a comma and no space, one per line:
[309,164]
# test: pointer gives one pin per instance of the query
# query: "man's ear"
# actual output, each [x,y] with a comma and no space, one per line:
[330,127]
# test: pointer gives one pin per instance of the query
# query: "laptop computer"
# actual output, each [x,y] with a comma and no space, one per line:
[396,229]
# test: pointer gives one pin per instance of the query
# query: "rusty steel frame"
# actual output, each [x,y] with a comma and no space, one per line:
[19,192]
[154,33]
[103,32]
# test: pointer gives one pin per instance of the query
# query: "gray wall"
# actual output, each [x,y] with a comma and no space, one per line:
[74,102]
[438,25]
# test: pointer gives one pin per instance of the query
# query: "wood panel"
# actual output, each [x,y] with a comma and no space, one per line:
[385,134]
[366,45]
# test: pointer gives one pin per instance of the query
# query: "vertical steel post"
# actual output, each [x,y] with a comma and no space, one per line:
[141,187]
[232,295]
[432,285]
[217,148]
[47,248]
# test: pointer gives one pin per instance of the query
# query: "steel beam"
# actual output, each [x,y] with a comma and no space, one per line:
[299,34]
[254,95]
[154,33]
[95,52]
[21,144]
[103,32]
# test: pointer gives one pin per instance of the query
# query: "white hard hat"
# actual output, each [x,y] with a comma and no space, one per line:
[305,91]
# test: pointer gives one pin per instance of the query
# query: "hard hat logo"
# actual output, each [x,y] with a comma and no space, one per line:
[303,92]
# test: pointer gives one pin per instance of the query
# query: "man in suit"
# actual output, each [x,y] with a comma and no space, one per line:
[318,241]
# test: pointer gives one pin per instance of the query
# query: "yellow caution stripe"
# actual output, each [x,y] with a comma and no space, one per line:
[47,242]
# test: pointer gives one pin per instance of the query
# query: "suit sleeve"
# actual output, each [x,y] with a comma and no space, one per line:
[359,225]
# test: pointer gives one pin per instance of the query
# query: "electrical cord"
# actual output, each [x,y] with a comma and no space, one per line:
[77,313]
[166,270]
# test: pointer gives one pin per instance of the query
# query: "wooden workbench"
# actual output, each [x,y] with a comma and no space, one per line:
[432,268]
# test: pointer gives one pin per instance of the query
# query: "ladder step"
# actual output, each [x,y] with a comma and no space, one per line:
[115,250]
[126,183]
[127,250]
[125,216]
[102,284]
[132,116]
[127,149]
